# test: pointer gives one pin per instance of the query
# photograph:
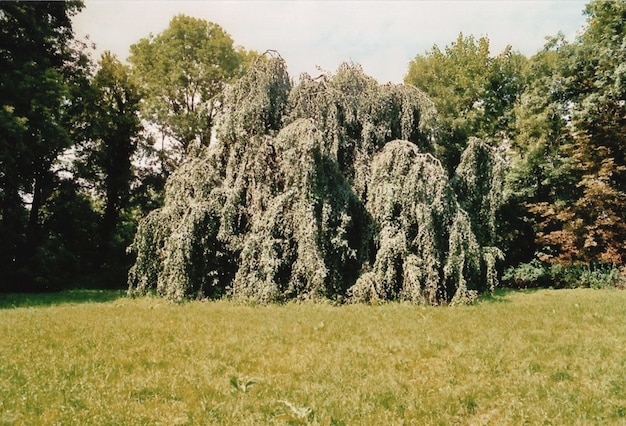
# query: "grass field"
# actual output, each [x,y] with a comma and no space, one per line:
[540,357]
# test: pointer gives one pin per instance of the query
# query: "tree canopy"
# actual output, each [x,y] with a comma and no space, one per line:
[571,169]
[183,71]
[333,186]
[111,133]
[474,92]
[326,189]
[38,66]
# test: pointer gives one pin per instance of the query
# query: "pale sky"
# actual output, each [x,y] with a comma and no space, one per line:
[382,36]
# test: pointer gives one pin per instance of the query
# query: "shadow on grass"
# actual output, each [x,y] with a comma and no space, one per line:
[28,300]
[503,295]
[499,295]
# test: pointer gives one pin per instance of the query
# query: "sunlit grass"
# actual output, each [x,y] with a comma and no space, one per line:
[539,357]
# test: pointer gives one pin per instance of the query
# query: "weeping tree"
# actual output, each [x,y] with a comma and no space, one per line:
[323,190]
[357,117]
[479,182]
[426,248]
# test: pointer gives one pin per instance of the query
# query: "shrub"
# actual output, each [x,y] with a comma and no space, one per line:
[531,274]
[538,274]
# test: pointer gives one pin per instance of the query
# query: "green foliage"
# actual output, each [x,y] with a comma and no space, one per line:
[478,181]
[109,132]
[358,116]
[425,252]
[602,278]
[571,168]
[474,93]
[538,274]
[255,105]
[332,187]
[542,169]
[191,245]
[241,385]
[308,194]
[479,184]
[39,66]
[307,242]
[183,71]
[177,246]
[597,83]
[530,274]
[65,297]
[586,276]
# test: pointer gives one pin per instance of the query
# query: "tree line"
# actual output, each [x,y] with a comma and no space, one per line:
[526,155]
[86,146]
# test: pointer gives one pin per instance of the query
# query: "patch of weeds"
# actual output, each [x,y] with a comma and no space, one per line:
[241,384]
[389,401]
[144,394]
[337,422]
[295,415]
[561,376]
[469,404]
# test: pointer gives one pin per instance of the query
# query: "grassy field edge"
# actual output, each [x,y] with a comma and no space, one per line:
[536,357]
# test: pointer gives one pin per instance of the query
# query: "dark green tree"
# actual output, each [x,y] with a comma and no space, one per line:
[68,256]
[111,131]
[573,132]
[542,170]
[39,62]
[596,78]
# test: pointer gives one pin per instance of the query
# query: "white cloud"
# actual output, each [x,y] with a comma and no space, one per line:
[383,36]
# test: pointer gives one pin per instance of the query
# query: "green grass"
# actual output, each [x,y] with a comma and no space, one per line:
[540,357]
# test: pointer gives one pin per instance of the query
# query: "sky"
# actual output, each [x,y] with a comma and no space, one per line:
[381,36]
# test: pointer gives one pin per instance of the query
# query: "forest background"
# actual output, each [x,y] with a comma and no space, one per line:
[86,148]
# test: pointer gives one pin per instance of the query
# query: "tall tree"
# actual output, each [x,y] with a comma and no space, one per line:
[581,220]
[474,92]
[310,193]
[38,62]
[183,71]
[598,83]
[542,170]
[112,130]
[571,168]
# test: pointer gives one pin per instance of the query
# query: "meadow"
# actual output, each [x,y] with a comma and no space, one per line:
[517,357]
